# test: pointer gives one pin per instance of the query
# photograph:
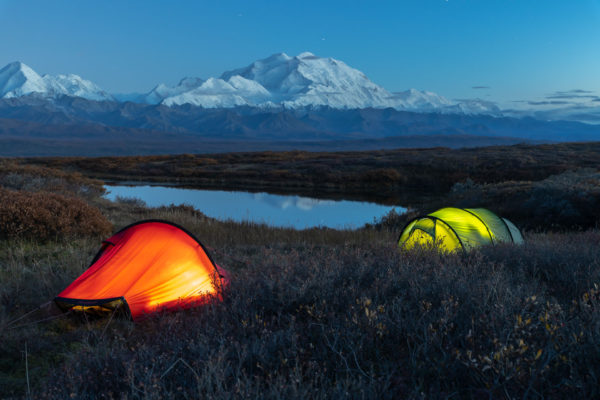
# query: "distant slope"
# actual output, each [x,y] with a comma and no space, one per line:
[284,124]
[24,139]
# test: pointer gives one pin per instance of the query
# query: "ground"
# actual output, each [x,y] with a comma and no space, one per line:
[319,313]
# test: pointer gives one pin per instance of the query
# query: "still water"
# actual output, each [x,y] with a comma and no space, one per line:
[275,210]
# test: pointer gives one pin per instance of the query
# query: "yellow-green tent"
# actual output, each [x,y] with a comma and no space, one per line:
[456,228]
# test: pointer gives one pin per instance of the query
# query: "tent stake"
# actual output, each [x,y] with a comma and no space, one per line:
[27,373]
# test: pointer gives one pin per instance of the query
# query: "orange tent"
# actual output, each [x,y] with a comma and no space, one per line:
[148,266]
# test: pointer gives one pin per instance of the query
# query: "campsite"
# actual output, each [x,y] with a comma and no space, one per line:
[285,201]
[312,313]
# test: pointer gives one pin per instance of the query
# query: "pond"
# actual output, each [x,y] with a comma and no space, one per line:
[274,210]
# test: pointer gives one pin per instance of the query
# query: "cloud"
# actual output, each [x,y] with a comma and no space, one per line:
[544,103]
[580,91]
[573,94]
[480,87]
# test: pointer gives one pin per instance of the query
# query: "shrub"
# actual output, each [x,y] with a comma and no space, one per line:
[394,221]
[565,201]
[36,178]
[367,322]
[319,314]
[383,176]
[45,216]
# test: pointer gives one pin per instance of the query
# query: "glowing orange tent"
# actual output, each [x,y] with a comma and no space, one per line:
[148,266]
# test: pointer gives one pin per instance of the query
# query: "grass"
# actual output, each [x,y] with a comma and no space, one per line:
[539,187]
[319,313]
[390,176]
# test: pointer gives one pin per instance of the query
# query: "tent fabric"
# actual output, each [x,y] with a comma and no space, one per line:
[148,266]
[453,228]
[514,231]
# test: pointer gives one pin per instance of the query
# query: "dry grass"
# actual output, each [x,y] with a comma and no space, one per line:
[319,313]
[322,314]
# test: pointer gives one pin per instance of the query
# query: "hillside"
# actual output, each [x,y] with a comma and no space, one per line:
[318,313]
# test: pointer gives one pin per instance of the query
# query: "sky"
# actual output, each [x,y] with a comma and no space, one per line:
[501,50]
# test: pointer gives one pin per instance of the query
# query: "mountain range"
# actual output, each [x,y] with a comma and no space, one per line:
[279,99]
[277,81]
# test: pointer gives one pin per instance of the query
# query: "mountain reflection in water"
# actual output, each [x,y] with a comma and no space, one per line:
[275,210]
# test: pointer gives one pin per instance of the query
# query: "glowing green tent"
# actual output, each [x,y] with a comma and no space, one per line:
[456,228]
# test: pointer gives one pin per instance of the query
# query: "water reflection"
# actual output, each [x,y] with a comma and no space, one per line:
[276,210]
[285,202]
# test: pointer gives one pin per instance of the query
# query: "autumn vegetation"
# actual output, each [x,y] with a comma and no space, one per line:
[385,175]
[318,313]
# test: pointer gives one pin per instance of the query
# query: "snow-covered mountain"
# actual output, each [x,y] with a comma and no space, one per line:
[278,81]
[18,79]
[303,81]
[162,91]
[285,82]
[218,93]
[308,80]
[413,99]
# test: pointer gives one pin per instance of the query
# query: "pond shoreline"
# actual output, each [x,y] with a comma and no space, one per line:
[295,211]
[320,193]
[412,177]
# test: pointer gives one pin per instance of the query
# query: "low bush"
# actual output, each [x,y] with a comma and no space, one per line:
[33,178]
[48,216]
[318,321]
[394,221]
[383,176]
[560,202]
[431,170]
[318,314]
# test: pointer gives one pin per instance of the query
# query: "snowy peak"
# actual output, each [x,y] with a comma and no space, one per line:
[214,92]
[18,79]
[249,88]
[308,80]
[74,85]
[271,72]
[190,83]
[285,74]
[162,91]
[475,106]
[414,99]
[306,54]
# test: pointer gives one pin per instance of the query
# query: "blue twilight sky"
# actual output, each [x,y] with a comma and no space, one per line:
[514,49]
